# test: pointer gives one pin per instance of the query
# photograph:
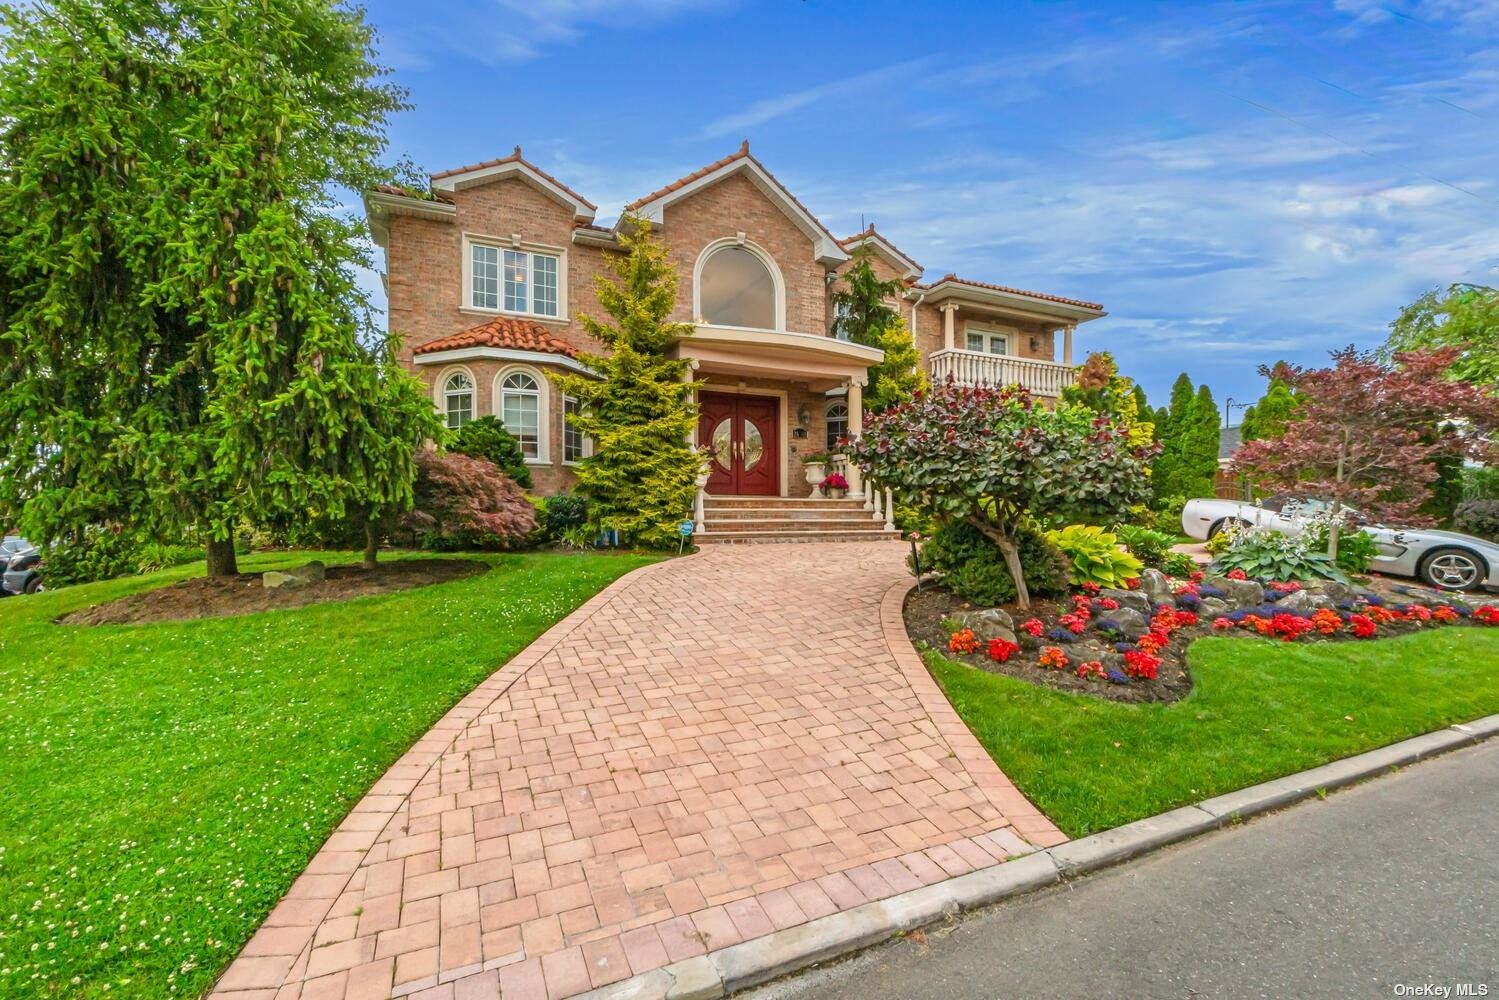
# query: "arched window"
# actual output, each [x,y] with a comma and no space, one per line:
[736,288]
[837,423]
[458,399]
[520,411]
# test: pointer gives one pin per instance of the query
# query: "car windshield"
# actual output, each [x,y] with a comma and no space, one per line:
[14,543]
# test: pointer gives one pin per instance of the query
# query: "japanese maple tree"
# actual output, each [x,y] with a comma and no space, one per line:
[1368,434]
[995,459]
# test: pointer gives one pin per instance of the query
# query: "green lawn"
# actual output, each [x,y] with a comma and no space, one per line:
[164,784]
[1259,710]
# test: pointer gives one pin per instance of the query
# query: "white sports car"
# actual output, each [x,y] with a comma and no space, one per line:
[1438,558]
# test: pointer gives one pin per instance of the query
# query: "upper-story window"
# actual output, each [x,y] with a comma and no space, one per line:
[518,281]
[458,399]
[736,288]
[988,341]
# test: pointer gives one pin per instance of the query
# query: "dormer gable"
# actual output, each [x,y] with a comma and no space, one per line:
[515,166]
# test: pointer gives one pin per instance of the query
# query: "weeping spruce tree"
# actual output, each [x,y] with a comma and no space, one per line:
[640,479]
[182,342]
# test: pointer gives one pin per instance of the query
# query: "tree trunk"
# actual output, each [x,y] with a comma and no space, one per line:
[221,558]
[1011,552]
[1334,525]
[371,545]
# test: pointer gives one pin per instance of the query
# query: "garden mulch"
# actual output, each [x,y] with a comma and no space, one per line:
[219,597]
[927,608]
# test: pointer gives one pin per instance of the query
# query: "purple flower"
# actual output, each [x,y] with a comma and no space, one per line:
[1060,635]
[1116,676]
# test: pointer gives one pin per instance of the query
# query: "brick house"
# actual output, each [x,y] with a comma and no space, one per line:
[486,280]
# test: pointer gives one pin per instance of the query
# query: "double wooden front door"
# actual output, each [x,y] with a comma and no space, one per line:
[743,433]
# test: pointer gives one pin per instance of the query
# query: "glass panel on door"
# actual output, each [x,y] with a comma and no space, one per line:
[754,446]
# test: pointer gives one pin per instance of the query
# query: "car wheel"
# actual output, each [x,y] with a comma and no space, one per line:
[1227,522]
[1452,569]
[34,585]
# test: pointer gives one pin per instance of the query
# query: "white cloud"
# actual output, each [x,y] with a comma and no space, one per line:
[770,108]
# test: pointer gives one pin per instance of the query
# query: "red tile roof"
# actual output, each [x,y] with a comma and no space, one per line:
[742,153]
[515,157]
[1017,291]
[503,331]
[396,189]
[866,234]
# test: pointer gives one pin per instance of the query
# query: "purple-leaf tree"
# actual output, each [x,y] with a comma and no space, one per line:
[994,458]
[459,498]
[1367,434]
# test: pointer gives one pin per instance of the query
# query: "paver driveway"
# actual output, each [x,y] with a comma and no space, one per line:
[711,749]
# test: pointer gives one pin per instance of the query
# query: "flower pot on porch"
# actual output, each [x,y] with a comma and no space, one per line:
[836,493]
[815,472]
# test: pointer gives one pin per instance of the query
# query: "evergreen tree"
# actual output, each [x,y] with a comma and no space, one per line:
[1101,388]
[180,328]
[1169,472]
[861,308]
[487,438]
[898,377]
[1200,446]
[641,478]
[1276,408]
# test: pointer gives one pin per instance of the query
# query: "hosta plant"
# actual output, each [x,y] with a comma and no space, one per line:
[1096,556]
[1263,554]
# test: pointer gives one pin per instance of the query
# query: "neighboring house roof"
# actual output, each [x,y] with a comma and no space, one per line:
[514,165]
[652,206]
[1229,440]
[878,241]
[952,286]
[506,333]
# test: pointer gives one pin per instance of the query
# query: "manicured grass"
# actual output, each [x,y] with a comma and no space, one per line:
[1258,710]
[165,784]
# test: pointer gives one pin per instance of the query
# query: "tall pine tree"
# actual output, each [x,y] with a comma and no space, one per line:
[1168,473]
[641,478]
[1268,417]
[180,327]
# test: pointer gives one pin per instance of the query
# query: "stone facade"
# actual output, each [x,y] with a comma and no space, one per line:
[510,203]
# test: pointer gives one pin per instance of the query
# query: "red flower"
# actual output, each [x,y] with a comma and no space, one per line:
[1221,623]
[1445,613]
[1001,650]
[1034,626]
[1237,574]
[1362,626]
[1132,583]
[1139,663]
[1108,604]
[1093,668]
[1488,614]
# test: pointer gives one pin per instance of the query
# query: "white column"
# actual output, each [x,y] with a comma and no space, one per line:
[949,338]
[1067,343]
[855,428]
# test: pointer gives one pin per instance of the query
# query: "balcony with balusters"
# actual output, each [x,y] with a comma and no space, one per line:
[975,368]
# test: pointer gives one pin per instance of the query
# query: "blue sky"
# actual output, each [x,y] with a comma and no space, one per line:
[1236,182]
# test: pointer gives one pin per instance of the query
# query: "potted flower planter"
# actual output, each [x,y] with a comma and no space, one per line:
[815,468]
[835,486]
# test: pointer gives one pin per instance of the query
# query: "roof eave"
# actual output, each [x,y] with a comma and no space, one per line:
[1032,304]
[379,206]
[583,211]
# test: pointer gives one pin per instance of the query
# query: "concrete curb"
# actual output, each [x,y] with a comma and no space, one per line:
[750,963]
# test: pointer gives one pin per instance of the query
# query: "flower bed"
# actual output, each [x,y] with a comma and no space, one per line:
[1130,644]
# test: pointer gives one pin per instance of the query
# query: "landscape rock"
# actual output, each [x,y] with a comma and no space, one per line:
[1156,588]
[1240,593]
[1334,589]
[989,623]
[1130,621]
[301,576]
[1305,600]
[1213,607]
[1131,599]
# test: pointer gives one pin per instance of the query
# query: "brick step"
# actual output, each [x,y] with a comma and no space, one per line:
[784,513]
[752,537]
[782,524]
[779,503]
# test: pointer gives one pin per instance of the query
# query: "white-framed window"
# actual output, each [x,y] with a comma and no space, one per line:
[575,447]
[736,285]
[521,411]
[502,279]
[458,399]
[987,340]
[837,423]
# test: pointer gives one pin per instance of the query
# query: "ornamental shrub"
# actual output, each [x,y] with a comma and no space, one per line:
[1149,546]
[488,439]
[464,502]
[1095,555]
[562,513]
[973,567]
[1356,549]
[1478,517]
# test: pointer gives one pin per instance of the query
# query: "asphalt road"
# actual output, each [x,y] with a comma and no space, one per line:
[1391,883]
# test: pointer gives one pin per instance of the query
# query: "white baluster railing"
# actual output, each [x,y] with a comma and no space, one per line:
[1042,378]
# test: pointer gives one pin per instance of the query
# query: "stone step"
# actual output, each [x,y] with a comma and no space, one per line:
[752,537]
[783,513]
[779,503]
[865,523]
